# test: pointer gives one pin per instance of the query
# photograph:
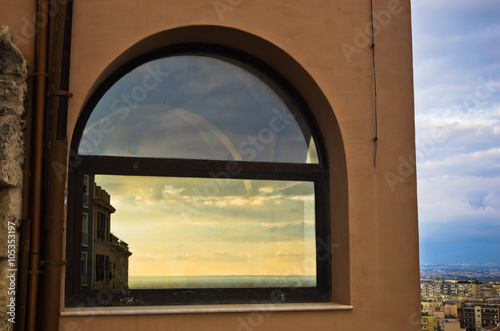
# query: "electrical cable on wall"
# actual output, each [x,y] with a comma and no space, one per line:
[375,139]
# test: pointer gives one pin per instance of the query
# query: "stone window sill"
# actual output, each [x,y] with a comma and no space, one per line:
[202,309]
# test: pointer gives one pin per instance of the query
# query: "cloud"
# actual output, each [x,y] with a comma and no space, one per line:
[457,107]
[460,170]
[173,114]
[447,198]
[454,45]
[479,164]
[167,220]
[218,256]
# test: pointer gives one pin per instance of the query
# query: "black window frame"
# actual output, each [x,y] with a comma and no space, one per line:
[82,165]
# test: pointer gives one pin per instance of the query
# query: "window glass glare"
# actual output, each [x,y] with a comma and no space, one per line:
[167,232]
[199,107]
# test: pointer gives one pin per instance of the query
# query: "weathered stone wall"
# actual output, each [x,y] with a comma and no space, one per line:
[13,89]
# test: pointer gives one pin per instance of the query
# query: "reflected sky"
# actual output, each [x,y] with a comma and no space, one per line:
[174,228]
[198,107]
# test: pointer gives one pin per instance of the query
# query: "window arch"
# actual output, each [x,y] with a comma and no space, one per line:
[202,179]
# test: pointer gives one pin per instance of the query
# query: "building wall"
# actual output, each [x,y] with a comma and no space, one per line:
[102,246]
[20,17]
[119,259]
[429,323]
[451,326]
[114,252]
[320,48]
[480,313]
[13,88]
[451,310]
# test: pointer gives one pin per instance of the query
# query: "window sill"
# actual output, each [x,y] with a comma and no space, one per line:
[202,309]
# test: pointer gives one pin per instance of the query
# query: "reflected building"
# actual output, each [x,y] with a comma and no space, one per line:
[104,260]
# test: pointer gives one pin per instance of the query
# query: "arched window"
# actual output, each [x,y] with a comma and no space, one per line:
[198,178]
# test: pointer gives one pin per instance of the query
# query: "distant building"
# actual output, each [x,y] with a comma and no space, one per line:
[439,314]
[496,287]
[487,290]
[429,323]
[468,288]
[454,288]
[431,305]
[451,310]
[104,256]
[450,324]
[490,328]
[479,314]
[432,289]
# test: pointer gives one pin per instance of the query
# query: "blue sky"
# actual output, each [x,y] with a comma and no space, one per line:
[456,49]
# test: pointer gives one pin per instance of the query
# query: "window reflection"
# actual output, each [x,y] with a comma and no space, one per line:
[168,232]
[105,257]
[200,107]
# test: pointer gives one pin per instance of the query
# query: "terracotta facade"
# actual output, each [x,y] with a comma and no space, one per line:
[324,49]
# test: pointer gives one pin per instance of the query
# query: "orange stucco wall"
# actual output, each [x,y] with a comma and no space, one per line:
[20,17]
[374,210]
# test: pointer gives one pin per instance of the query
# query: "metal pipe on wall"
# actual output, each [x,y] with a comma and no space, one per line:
[56,158]
[36,164]
[48,147]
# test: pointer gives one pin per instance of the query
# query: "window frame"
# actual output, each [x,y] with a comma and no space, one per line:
[85,165]
[86,193]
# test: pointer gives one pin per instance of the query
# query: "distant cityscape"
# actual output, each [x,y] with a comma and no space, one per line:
[483,273]
[460,297]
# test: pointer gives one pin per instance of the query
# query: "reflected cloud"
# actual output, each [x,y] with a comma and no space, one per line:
[203,107]
[222,229]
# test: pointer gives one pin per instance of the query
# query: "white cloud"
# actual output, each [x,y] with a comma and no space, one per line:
[441,138]
[448,198]
[455,51]
[479,164]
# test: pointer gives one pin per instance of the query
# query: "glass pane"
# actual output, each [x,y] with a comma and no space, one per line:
[200,107]
[167,232]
